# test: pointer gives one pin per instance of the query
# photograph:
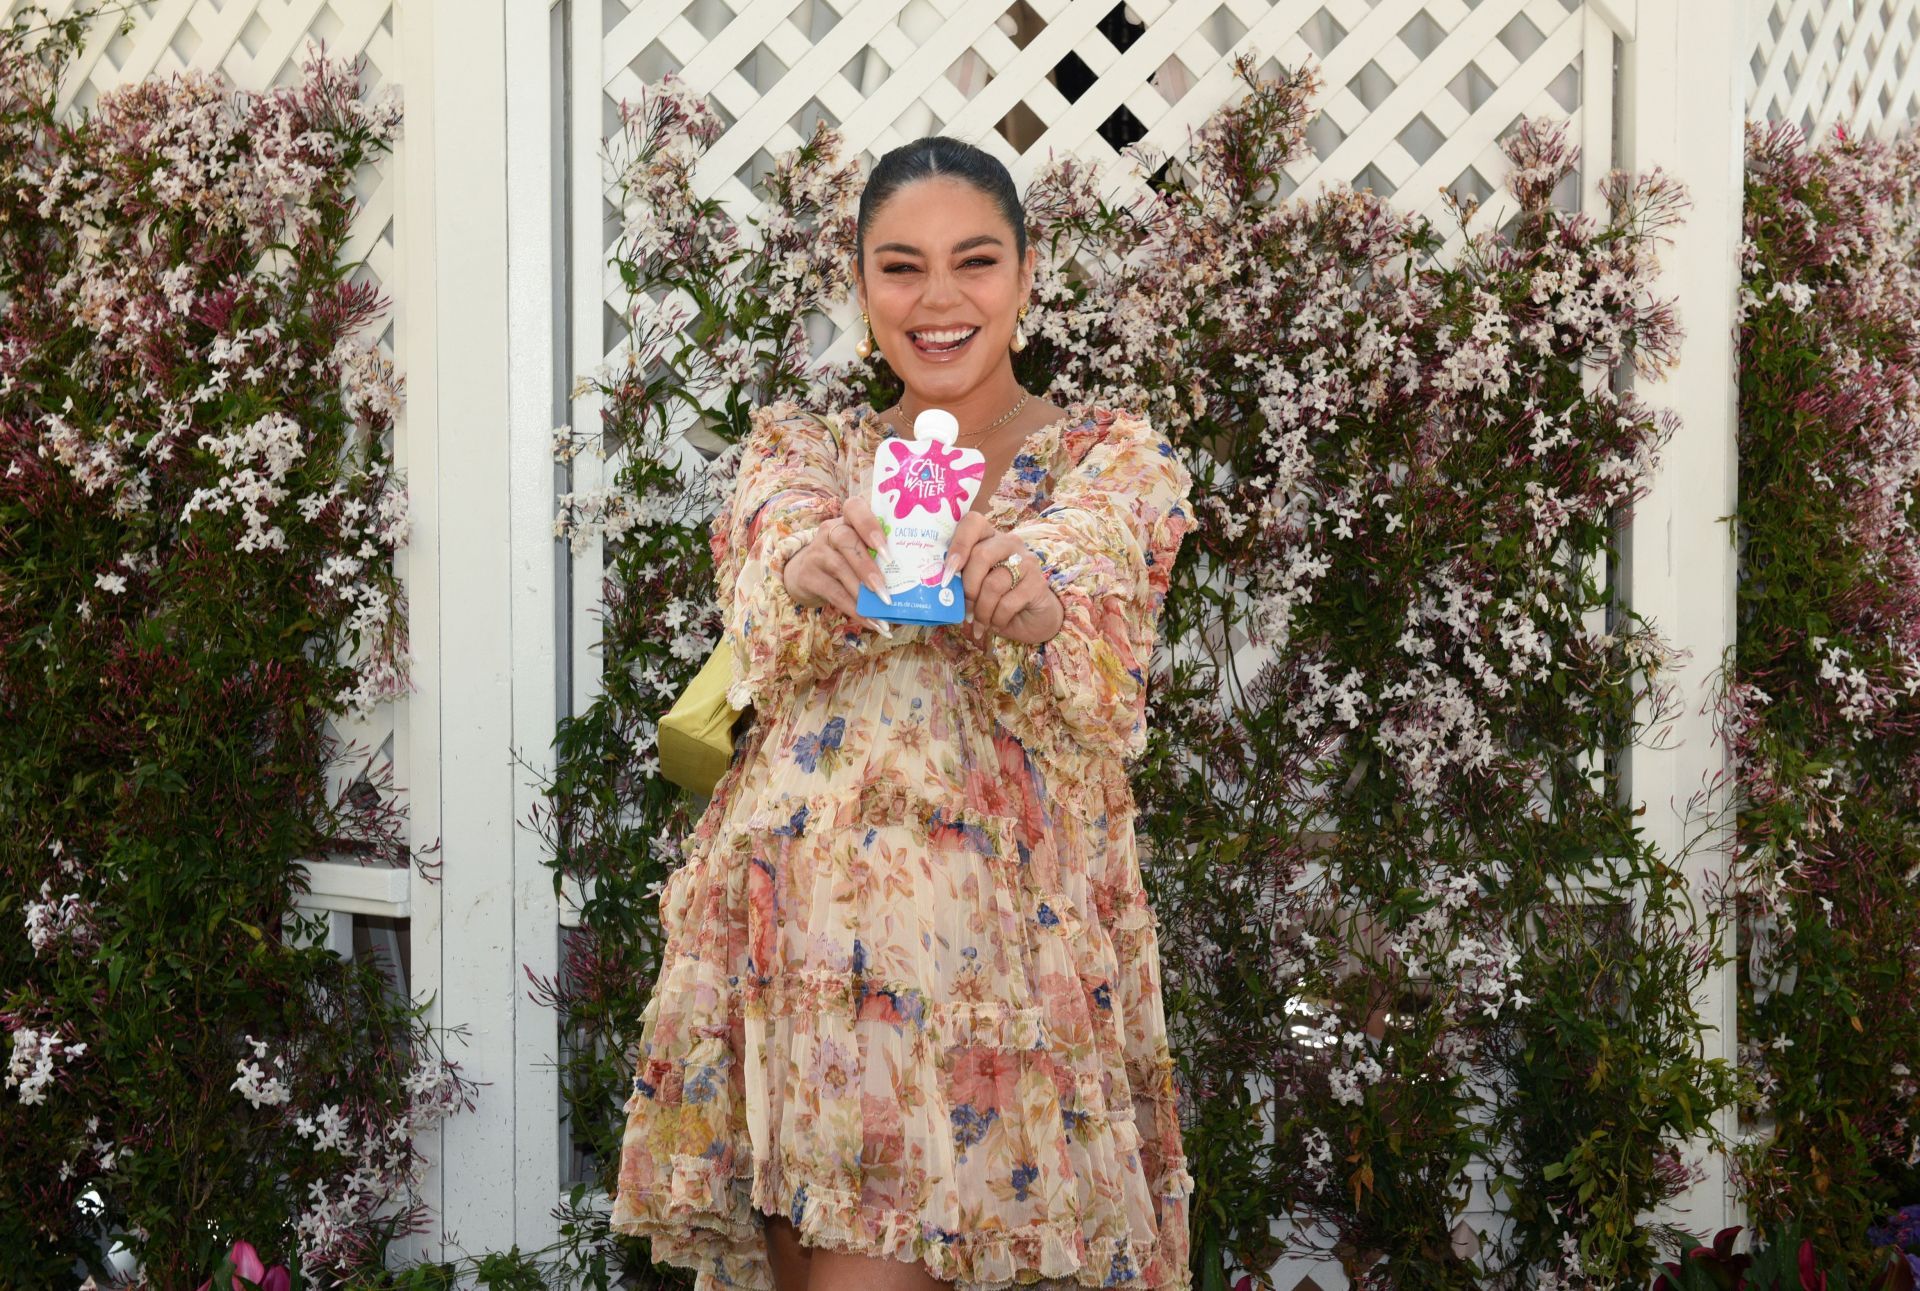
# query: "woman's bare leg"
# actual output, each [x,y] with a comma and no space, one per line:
[838,1271]
[814,1268]
[789,1259]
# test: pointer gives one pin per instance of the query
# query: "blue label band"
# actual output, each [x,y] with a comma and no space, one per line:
[921,603]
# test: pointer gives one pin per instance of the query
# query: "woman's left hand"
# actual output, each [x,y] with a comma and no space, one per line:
[1027,611]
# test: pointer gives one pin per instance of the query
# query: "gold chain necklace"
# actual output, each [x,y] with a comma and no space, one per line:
[1004,418]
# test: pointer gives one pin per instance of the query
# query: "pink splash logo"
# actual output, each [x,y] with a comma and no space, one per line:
[934,480]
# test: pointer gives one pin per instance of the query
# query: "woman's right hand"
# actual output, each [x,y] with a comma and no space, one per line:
[830,569]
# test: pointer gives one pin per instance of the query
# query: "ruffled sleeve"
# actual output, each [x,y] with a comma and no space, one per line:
[786,486]
[1107,539]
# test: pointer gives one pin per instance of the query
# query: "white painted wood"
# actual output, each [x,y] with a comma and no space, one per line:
[1824,96]
[906,77]
[336,934]
[573,899]
[1894,54]
[1426,80]
[1621,16]
[1906,91]
[1597,94]
[472,357]
[1597,89]
[535,171]
[358,889]
[1684,113]
[589,177]
[417,456]
[386,943]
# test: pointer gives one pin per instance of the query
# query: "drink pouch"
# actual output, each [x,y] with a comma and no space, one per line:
[921,488]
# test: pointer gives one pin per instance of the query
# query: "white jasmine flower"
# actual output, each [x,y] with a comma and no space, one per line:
[255,1085]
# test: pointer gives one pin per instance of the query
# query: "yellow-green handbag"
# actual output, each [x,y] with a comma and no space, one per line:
[696,735]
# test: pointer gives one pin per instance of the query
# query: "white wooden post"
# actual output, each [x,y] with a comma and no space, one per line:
[426,57]
[536,176]
[1683,110]
[592,282]
[479,183]
[416,455]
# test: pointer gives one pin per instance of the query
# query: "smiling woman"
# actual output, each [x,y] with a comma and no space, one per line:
[905,263]
[945,270]
[907,1030]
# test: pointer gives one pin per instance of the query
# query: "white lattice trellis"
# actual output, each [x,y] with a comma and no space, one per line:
[1418,92]
[1821,63]
[257,44]
[1416,95]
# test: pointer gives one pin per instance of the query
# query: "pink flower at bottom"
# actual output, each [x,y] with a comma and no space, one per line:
[248,1265]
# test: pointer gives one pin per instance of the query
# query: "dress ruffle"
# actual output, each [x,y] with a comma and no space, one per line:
[909,999]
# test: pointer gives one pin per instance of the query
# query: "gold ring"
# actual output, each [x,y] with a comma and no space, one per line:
[1012,562]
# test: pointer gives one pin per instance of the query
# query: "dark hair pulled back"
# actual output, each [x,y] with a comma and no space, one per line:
[938,154]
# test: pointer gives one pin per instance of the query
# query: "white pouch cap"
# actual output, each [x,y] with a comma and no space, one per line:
[936,423]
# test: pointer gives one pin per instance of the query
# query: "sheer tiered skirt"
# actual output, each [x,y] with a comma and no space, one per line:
[910,1000]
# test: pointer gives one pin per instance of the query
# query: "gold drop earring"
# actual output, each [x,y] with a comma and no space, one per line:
[864,346]
[1019,331]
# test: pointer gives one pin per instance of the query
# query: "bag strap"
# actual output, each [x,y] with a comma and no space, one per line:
[833,432]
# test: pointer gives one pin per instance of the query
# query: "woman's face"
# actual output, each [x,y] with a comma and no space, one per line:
[942,286]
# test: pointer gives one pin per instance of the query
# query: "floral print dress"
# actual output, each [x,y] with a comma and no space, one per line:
[910,992]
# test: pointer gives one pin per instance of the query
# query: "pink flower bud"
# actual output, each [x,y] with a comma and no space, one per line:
[246,1264]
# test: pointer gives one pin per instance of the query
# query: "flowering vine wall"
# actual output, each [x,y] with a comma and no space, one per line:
[1447,947]
[198,518]
[1447,942]
[1820,706]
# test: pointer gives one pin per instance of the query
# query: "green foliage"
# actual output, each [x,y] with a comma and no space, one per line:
[1819,709]
[197,522]
[1786,1261]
